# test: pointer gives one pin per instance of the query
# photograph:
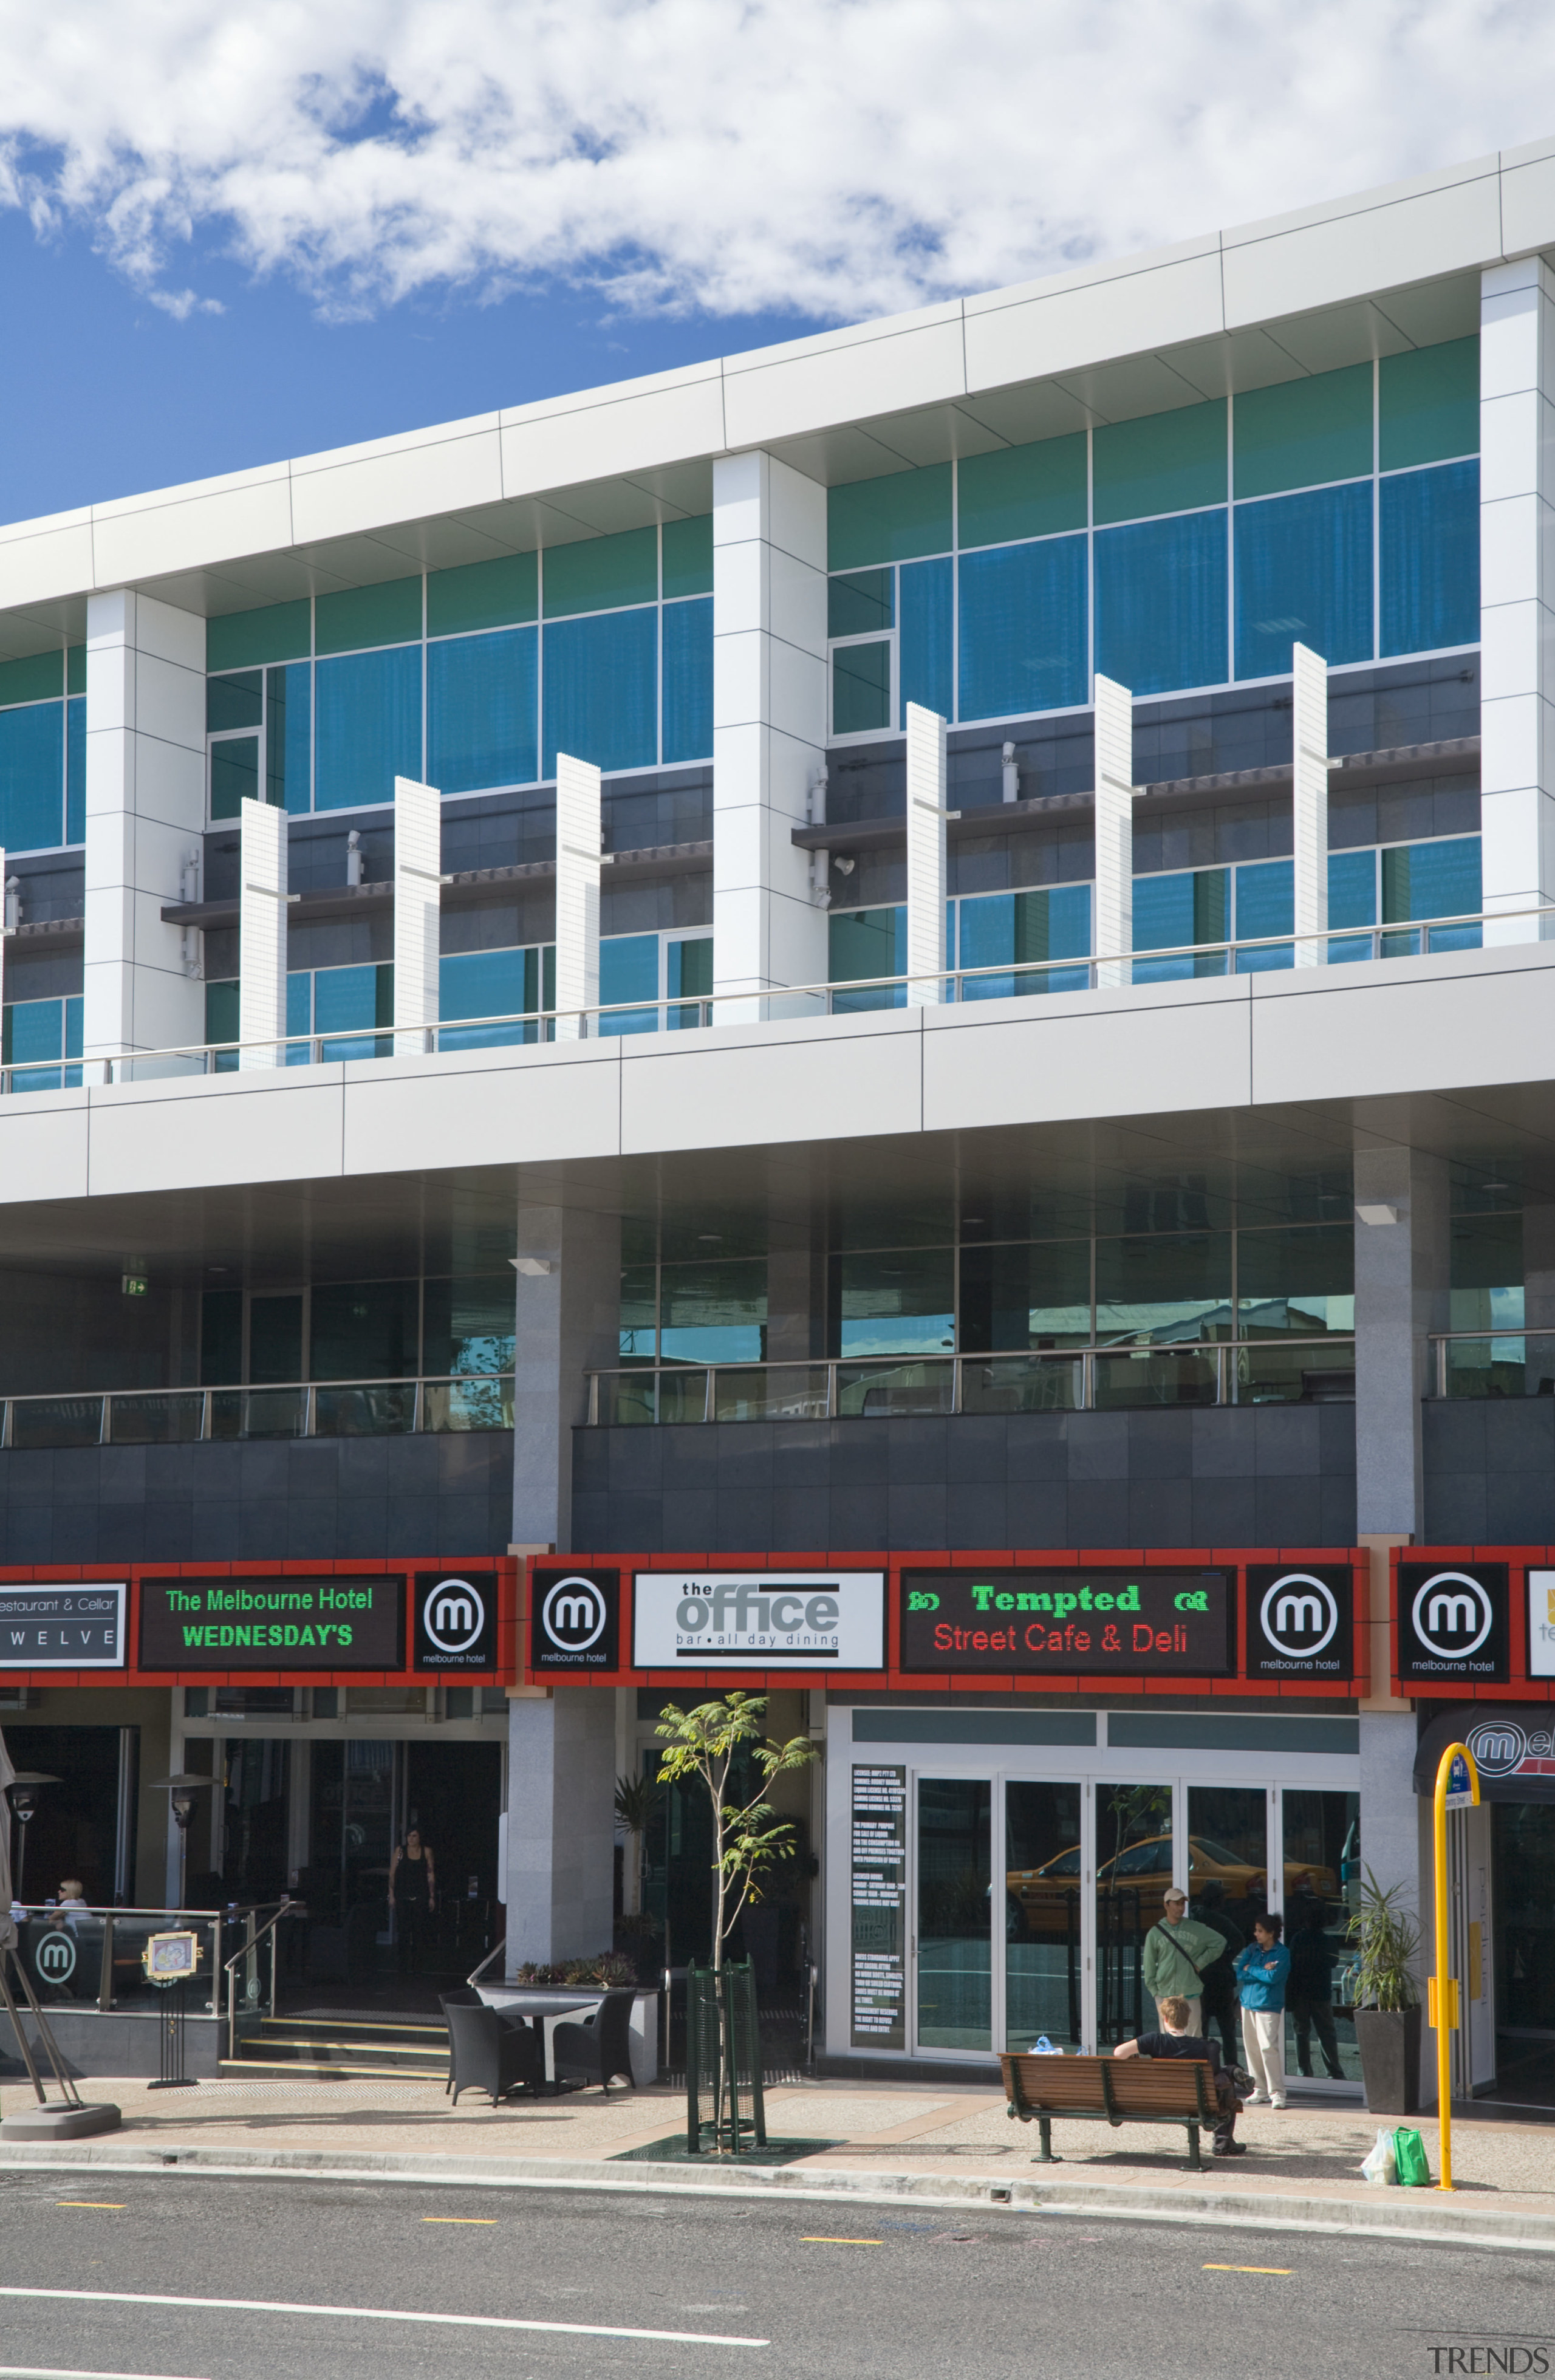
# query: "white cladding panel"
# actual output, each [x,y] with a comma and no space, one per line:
[926,872]
[577,893]
[417,905]
[261,934]
[1309,801]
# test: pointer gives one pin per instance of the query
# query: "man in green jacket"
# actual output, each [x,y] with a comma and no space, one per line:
[1177,1951]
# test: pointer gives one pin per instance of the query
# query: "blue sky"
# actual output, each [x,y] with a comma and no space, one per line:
[118,396]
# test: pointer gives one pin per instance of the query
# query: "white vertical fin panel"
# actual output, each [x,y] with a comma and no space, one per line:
[7,919]
[1309,803]
[261,934]
[927,871]
[577,896]
[1518,595]
[1114,827]
[418,912]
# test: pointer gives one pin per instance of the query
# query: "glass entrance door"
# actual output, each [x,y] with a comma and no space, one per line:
[1043,1916]
[954,1962]
[1133,1870]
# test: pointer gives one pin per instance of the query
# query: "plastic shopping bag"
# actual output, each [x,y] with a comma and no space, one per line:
[1409,2155]
[1043,2047]
[1381,2164]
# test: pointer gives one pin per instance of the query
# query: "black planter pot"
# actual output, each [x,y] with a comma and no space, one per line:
[1389,2041]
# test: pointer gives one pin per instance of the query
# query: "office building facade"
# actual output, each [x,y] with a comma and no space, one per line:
[899,973]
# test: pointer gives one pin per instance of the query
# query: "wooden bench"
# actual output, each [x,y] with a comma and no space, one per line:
[1114,2089]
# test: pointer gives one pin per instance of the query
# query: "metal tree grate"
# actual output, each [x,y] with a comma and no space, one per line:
[726,2115]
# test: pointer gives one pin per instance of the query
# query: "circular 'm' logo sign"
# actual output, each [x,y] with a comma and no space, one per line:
[1452,1615]
[55,1958]
[1499,1745]
[1299,1615]
[573,1614]
[454,1615]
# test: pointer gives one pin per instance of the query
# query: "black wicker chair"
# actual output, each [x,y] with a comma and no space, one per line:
[490,2052]
[599,2048]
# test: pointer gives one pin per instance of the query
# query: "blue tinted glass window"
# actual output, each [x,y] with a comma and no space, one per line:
[481,725]
[1161,602]
[1430,558]
[1265,905]
[300,1016]
[369,726]
[75,1010]
[1023,627]
[1022,929]
[289,737]
[37,1030]
[629,970]
[349,999]
[1304,572]
[75,770]
[927,597]
[1351,888]
[493,983]
[1431,880]
[687,691]
[1182,908]
[31,777]
[600,698]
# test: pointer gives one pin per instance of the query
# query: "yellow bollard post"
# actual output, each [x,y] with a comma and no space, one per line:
[1443,2008]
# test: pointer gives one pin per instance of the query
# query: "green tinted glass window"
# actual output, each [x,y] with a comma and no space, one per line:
[1300,1281]
[713,1312]
[900,1302]
[639,1291]
[1428,404]
[860,690]
[858,605]
[362,616]
[365,1331]
[234,775]
[502,593]
[75,670]
[38,678]
[1163,462]
[690,968]
[1033,490]
[601,574]
[1164,1288]
[687,551]
[235,702]
[890,519]
[863,944]
[280,632]
[1304,432]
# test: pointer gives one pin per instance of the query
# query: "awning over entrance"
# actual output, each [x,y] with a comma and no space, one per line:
[1514,1748]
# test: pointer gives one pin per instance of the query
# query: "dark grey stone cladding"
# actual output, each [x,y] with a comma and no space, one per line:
[1490,1471]
[317,1500]
[1268,1475]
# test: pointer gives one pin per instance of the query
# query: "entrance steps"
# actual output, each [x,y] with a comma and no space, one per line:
[327,2049]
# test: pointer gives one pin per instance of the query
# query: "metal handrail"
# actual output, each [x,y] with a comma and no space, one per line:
[476,1973]
[108,1399]
[558,1024]
[1220,1351]
[245,1951]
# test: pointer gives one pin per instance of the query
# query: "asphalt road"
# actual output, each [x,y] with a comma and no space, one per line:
[646,2287]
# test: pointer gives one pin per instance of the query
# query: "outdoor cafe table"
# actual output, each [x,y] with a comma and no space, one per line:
[542,2008]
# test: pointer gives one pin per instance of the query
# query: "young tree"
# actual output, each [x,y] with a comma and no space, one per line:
[746,1836]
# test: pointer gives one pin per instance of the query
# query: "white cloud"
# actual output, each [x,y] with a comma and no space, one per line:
[838,157]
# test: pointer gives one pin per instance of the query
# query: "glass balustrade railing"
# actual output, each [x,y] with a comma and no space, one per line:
[1075,1379]
[315,1409]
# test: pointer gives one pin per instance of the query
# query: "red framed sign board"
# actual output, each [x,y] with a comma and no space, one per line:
[1278,1621]
[261,1624]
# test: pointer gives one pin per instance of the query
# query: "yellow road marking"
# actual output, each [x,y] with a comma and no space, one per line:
[825,2239]
[108,2206]
[458,2218]
[1286,2272]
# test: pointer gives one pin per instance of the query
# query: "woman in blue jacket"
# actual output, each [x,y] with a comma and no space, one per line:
[1260,1972]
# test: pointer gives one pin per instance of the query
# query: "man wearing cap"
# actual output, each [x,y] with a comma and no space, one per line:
[1177,1951]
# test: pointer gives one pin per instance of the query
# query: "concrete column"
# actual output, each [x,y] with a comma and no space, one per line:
[1309,803]
[561,1824]
[1114,825]
[769,721]
[577,896]
[418,912]
[1517,591]
[261,934]
[145,801]
[569,1312]
[927,869]
[1400,1296]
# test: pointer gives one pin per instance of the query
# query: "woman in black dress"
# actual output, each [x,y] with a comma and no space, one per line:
[412,1897]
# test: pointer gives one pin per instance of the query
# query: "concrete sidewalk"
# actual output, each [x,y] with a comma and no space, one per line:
[873,2141]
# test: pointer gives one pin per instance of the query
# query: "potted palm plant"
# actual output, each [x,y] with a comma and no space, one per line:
[1387,2000]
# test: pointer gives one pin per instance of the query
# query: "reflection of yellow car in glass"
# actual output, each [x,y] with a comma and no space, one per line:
[1035,1897]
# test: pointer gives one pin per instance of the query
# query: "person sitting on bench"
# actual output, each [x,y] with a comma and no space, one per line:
[1178,2042]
